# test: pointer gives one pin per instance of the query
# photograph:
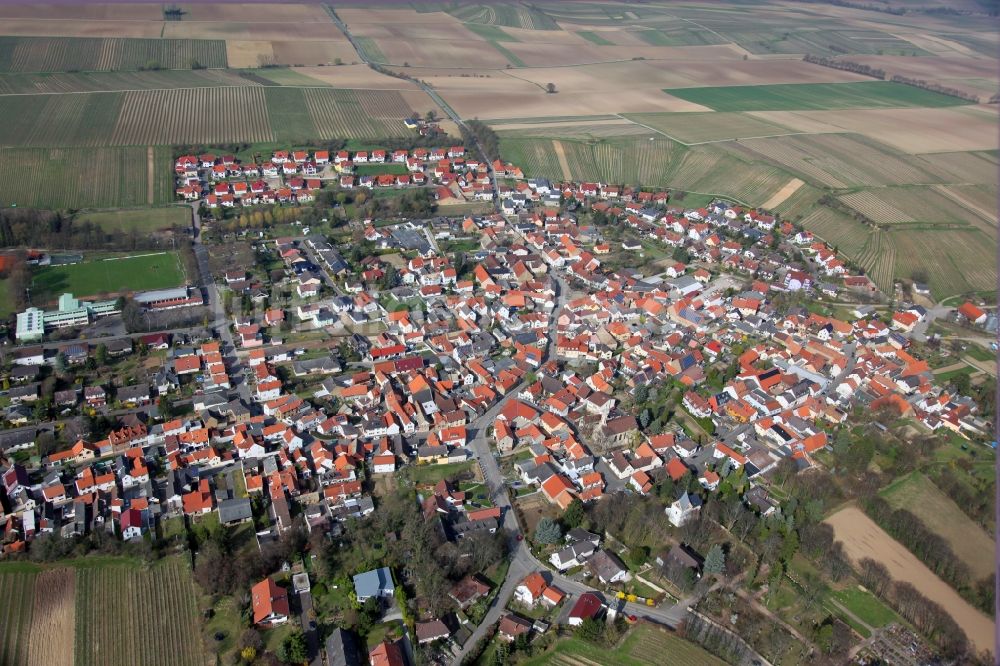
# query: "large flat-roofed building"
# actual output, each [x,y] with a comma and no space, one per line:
[168,299]
[32,323]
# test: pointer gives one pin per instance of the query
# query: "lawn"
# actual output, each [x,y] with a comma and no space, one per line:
[378,169]
[643,646]
[862,603]
[6,300]
[142,220]
[107,276]
[814,96]
[431,474]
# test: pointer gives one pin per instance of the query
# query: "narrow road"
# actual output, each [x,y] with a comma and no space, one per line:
[219,322]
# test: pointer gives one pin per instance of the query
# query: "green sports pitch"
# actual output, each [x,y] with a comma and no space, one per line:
[108,276]
[814,96]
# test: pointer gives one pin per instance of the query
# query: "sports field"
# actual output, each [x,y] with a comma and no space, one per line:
[818,96]
[108,275]
[643,646]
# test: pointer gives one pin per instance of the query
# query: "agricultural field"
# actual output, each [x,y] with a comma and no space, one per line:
[692,128]
[839,230]
[115,624]
[819,96]
[77,82]
[626,160]
[958,261]
[206,115]
[645,645]
[69,54]
[929,206]
[863,538]
[59,120]
[66,178]
[941,515]
[513,16]
[141,220]
[16,609]
[839,160]
[108,275]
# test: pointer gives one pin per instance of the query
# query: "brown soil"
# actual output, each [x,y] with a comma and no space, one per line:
[54,619]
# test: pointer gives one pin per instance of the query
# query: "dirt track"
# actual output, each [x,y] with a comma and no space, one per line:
[563,163]
[863,538]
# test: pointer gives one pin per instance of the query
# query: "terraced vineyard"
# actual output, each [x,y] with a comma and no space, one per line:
[127,615]
[62,54]
[69,177]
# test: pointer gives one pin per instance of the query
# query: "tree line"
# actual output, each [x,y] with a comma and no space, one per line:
[927,616]
[935,87]
[931,549]
[476,131]
[846,65]
[33,227]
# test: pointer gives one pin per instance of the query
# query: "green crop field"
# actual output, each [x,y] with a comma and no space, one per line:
[108,275]
[814,96]
[643,646]
[82,177]
[63,54]
[142,220]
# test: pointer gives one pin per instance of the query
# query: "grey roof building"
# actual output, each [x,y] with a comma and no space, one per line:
[374,583]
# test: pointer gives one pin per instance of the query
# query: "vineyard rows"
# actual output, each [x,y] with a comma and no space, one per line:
[137,617]
[962,167]
[62,54]
[874,207]
[356,114]
[16,603]
[510,16]
[115,81]
[203,115]
[841,160]
[956,260]
[838,230]
[65,177]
